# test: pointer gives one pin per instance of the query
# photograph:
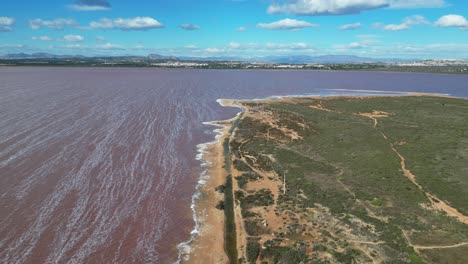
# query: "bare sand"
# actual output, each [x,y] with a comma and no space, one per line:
[208,246]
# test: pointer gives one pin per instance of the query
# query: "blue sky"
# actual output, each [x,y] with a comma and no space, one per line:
[372,28]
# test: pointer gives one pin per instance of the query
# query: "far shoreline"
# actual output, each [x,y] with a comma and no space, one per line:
[234,69]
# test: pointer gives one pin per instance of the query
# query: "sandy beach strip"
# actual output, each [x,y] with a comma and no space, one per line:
[208,245]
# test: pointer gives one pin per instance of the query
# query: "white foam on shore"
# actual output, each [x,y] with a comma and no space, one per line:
[185,247]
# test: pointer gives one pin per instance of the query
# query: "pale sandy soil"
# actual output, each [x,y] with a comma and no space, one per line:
[208,246]
[267,117]
[374,115]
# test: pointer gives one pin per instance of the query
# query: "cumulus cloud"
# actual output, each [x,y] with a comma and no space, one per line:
[189,27]
[402,4]
[242,49]
[6,24]
[91,5]
[244,28]
[350,26]
[343,7]
[57,24]
[441,50]
[407,23]
[42,38]
[452,21]
[288,46]
[234,45]
[262,47]
[110,46]
[137,23]
[100,38]
[326,7]
[350,46]
[73,38]
[190,47]
[356,45]
[363,42]
[286,24]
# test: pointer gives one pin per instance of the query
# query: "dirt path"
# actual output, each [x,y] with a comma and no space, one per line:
[366,242]
[241,234]
[436,203]
[374,115]
[442,247]
[418,247]
[322,107]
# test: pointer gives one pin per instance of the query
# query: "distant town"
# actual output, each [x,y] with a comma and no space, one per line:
[329,62]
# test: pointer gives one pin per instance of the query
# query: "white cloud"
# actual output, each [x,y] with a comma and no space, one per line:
[402,4]
[286,24]
[100,38]
[242,29]
[189,27]
[407,23]
[88,8]
[441,50]
[363,42]
[75,46]
[289,46]
[356,45]
[91,5]
[396,27]
[6,24]
[268,46]
[137,23]
[110,46]
[343,7]
[190,47]
[242,49]
[326,7]
[58,24]
[349,48]
[234,45]
[350,26]
[214,50]
[452,21]
[42,38]
[73,38]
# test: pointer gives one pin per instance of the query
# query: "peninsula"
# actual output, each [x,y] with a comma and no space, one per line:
[355,179]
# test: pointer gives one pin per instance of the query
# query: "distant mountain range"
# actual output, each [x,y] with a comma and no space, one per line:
[293,59]
[301,59]
[40,55]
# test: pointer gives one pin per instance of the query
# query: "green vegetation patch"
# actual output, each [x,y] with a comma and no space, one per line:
[345,163]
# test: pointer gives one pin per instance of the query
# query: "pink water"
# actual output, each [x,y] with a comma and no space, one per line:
[97,165]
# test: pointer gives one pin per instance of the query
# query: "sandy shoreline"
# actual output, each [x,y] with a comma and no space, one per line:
[208,245]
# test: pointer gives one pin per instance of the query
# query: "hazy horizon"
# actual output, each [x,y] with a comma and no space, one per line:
[433,29]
